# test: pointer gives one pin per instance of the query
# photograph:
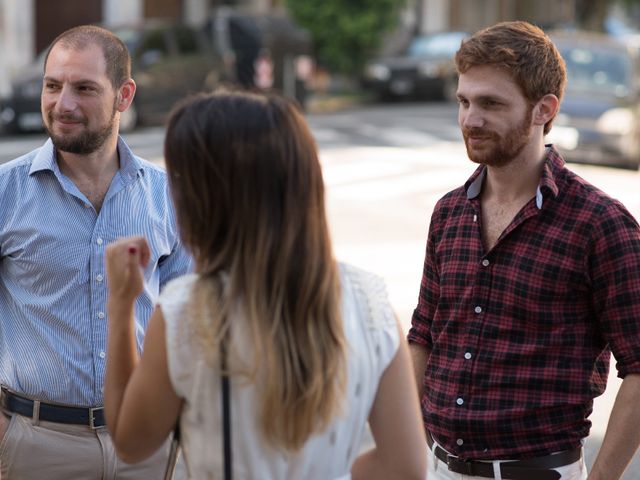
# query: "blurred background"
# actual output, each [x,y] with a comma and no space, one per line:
[377,83]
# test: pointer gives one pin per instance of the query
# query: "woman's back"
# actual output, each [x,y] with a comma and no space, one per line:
[372,337]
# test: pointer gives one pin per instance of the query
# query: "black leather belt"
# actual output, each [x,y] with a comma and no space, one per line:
[12,402]
[538,468]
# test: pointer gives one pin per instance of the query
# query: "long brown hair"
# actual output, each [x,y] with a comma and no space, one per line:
[249,196]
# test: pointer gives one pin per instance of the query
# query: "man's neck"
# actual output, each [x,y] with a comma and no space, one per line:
[93,167]
[518,179]
[92,173]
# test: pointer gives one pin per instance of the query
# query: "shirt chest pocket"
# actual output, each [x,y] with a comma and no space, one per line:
[157,235]
[43,262]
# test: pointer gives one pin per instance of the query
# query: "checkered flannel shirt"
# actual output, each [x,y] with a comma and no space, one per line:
[520,336]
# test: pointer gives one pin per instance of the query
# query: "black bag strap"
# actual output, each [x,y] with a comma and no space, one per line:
[173,453]
[226,412]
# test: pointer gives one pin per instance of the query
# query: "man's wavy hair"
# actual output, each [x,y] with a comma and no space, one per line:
[523,50]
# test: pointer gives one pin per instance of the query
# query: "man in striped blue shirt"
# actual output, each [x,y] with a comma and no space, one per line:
[60,206]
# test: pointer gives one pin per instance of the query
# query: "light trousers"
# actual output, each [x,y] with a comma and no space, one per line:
[437,470]
[56,451]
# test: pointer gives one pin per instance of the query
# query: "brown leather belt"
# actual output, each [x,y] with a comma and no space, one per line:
[538,468]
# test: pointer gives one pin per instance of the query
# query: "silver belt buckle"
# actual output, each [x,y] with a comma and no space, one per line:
[92,424]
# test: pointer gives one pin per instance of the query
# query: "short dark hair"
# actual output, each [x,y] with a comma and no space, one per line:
[116,54]
[523,50]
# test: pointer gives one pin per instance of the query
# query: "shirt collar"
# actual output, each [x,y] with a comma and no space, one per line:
[46,159]
[553,163]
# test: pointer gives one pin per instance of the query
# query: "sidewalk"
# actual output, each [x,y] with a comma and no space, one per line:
[328,102]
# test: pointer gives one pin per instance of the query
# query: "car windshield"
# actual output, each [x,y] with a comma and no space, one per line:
[438,45]
[597,71]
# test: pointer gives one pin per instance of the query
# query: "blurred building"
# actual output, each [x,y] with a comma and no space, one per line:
[28,26]
[472,15]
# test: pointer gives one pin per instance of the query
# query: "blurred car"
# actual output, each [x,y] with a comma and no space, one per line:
[169,61]
[264,52]
[599,118]
[425,70]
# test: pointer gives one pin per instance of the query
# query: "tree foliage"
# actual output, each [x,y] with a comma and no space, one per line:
[346,33]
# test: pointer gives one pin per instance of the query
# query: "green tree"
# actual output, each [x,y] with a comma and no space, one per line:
[346,33]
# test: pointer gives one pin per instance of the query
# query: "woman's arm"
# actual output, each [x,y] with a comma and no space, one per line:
[396,425]
[141,407]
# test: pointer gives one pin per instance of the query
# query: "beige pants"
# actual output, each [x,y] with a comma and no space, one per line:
[56,451]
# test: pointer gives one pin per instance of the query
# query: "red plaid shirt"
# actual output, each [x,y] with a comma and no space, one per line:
[521,336]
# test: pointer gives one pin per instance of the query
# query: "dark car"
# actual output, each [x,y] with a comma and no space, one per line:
[425,70]
[264,52]
[169,61]
[599,118]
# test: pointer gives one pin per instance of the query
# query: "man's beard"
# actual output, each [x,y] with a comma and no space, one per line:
[504,149]
[85,142]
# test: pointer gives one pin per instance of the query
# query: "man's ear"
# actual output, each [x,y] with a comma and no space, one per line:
[125,95]
[546,109]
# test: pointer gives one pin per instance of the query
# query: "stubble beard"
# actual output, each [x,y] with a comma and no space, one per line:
[505,149]
[85,142]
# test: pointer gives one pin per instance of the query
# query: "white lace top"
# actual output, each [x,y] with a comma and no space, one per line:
[371,332]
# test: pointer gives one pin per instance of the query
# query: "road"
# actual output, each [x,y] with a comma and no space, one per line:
[385,167]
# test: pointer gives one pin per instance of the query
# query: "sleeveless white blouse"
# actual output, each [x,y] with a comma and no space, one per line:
[372,335]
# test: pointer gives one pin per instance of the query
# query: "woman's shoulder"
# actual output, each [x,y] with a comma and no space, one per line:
[369,293]
[176,293]
[177,286]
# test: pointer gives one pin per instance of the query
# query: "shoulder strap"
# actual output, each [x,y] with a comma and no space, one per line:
[226,413]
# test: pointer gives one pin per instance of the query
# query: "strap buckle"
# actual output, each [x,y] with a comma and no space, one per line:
[92,418]
[455,464]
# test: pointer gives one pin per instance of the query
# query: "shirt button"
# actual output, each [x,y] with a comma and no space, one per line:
[467,356]
[102,354]
[485,263]
[459,401]
[100,315]
[99,277]
[99,241]
[459,442]
[477,309]
[87,205]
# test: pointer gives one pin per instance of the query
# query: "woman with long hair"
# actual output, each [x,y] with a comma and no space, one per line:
[310,348]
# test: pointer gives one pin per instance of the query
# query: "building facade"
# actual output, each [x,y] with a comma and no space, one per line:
[28,26]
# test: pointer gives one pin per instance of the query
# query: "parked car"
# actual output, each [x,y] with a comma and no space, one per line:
[169,61]
[264,52]
[426,69]
[599,118]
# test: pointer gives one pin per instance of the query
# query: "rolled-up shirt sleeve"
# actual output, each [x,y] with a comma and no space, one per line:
[615,274]
[420,331]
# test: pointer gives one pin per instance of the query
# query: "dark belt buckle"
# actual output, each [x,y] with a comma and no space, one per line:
[92,418]
[455,464]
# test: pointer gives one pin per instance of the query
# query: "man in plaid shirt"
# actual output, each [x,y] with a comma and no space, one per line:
[531,279]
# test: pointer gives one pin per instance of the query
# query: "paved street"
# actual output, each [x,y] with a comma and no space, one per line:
[385,167]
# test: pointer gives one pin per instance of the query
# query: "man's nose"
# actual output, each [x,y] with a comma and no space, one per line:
[66,101]
[471,118]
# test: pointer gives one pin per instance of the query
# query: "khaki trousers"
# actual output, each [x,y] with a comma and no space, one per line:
[56,451]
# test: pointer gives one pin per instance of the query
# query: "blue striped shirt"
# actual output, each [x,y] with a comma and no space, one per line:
[53,286]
